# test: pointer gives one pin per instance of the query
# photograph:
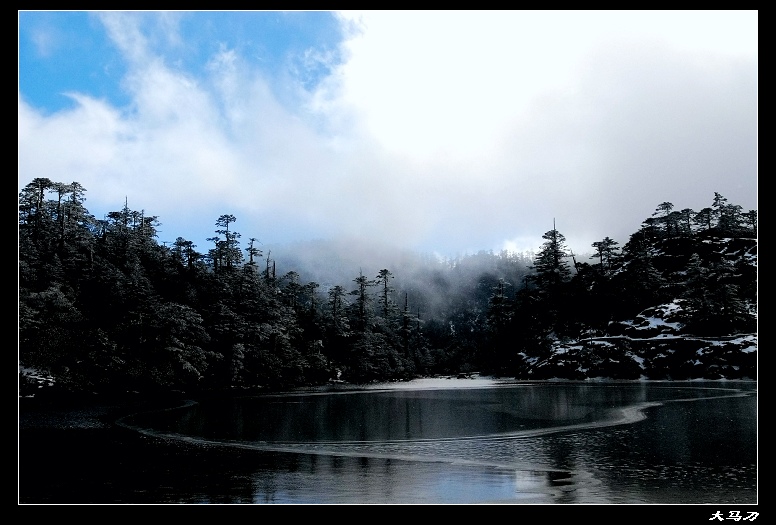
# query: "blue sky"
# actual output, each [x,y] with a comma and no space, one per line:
[443,132]
[74,51]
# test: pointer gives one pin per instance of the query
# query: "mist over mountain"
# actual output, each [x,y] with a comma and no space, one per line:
[430,281]
[104,305]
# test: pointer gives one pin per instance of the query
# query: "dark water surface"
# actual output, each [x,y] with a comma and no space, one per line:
[425,441]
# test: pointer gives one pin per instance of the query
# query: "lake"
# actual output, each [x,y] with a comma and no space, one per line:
[453,441]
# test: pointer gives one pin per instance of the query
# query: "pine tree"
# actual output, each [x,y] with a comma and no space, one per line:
[230,252]
[383,282]
[551,267]
[362,302]
[607,253]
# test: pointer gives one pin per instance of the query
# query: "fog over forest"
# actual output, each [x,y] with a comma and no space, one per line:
[430,281]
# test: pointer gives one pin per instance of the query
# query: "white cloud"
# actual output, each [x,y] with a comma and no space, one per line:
[452,131]
[516,118]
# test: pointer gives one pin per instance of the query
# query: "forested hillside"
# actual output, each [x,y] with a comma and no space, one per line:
[104,306]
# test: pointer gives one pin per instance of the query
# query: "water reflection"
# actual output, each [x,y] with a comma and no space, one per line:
[538,443]
[391,415]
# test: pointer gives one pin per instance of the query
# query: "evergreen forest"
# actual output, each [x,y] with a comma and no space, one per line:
[105,307]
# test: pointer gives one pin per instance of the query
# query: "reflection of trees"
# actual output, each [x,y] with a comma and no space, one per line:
[681,446]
